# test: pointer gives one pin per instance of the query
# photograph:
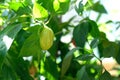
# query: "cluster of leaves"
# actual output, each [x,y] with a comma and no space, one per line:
[21,22]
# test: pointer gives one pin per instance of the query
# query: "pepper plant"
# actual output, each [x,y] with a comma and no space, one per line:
[32,45]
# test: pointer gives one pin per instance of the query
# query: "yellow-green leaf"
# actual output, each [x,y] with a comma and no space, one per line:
[63,0]
[56,5]
[39,11]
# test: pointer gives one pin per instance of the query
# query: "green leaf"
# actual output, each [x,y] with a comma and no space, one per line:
[28,2]
[11,30]
[24,10]
[18,66]
[3,6]
[31,46]
[68,78]
[110,49]
[82,74]
[94,43]
[94,31]
[20,8]
[2,1]
[3,51]
[109,21]
[118,56]
[39,11]
[80,8]
[51,69]
[85,57]
[62,6]
[15,6]
[80,33]
[66,61]
[6,38]
[99,8]
[5,73]
[105,76]
[48,5]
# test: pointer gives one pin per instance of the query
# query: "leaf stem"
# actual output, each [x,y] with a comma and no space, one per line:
[48,20]
[96,56]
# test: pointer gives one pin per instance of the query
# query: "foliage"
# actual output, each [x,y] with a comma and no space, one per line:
[21,56]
